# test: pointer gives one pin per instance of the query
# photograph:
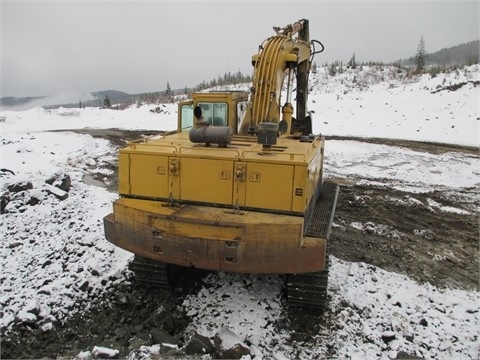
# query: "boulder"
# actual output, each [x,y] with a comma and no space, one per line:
[100,352]
[199,345]
[26,317]
[20,186]
[60,180]
[229,346]
[138,341]
[161,336]
[4,200]
[34,197]
[57,192]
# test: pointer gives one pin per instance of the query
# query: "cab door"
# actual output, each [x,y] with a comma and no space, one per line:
[185,115]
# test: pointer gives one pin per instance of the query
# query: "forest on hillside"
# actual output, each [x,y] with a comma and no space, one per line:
[459,55]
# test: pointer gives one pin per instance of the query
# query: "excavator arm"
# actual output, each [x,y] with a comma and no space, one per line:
[280,57]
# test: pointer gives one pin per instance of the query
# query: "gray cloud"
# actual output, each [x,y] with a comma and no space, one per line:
[76,47]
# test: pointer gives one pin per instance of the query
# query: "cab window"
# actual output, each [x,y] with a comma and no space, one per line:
[187,116]
[215,114]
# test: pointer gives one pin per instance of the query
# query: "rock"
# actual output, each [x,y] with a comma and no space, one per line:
[199,345]
[409,337]
[162,319]
[34,197]
[403,355]
[138,341]
[44,291]
[20,186]
[84,286]
[100,352]
[60,180]
[161,336]
[229,346]
[192,313]
[4,200]
[121,299]
[15,206]
[48,326]
[26,317]
[33,306]
[388,336]
[57,192]
[84,355]
[110,343]
[170,351]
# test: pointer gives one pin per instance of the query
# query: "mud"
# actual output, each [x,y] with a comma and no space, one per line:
[426,244]
[397,231]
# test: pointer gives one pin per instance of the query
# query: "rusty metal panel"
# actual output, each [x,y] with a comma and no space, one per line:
[216,239]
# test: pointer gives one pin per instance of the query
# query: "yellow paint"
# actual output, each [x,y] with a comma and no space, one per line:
[282,180]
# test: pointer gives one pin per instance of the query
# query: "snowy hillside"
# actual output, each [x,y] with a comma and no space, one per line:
[384,103]
[55,261]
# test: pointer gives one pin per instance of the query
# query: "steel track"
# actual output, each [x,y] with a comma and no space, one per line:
[309,290]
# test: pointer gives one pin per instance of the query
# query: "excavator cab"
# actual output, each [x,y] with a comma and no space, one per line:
[217,109]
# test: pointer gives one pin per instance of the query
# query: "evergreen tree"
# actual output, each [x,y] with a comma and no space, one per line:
[420,57]
[352,63]
[333,70]
[106,102]
[169,93]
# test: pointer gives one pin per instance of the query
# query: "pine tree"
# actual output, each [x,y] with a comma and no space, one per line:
[333,70]
[169,93]
[106,102]
[352,63]
[421,55]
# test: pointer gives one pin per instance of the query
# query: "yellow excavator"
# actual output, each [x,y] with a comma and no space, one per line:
[238,187]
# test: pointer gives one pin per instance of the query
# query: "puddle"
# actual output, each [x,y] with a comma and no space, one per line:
[90,180]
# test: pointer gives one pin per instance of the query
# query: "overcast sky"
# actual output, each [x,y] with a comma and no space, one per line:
[73,47]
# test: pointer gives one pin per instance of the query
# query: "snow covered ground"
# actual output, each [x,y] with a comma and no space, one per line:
[377,102]
[53,255]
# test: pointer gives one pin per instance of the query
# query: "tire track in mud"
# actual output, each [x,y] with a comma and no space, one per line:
[403,233]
